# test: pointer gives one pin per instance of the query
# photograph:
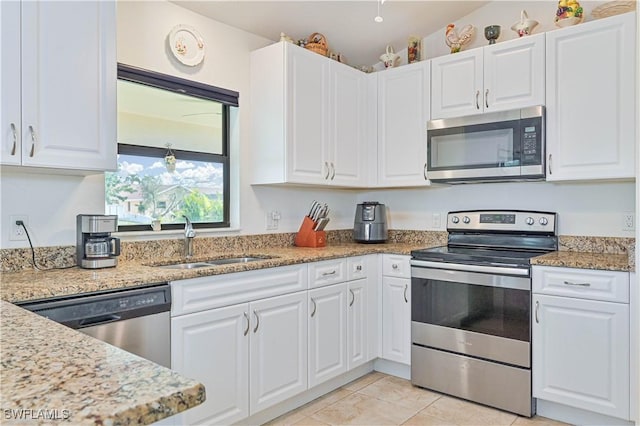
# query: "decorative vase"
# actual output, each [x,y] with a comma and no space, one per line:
[525,25]
[389,58]
[491,33]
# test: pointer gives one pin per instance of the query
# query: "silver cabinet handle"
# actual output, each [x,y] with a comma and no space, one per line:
[246,316]
[314,308]
[477,102]
[353,297]
[550,157]
[537,307]
[326,274]
[333,171]
[394,266]
[577,284]
[255,330]
[359,268]
[326,166]
[486,98]
[424,171]
[33,141]
[406,286]
[15,139]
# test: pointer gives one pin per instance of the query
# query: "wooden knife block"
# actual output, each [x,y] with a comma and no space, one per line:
[307,237]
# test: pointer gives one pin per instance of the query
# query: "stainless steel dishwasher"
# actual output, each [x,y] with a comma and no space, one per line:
[136,320]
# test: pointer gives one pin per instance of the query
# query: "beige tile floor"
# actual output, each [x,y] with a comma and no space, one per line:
[379,399]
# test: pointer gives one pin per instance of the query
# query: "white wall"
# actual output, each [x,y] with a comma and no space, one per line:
[52,201]
[583,208]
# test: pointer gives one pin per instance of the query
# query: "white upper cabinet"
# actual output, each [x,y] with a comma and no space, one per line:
[403,112]
[10,150]
[308,118]
[59,85]
[591,90]
[499,77]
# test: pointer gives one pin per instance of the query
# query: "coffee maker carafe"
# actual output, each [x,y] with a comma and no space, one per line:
[95,247]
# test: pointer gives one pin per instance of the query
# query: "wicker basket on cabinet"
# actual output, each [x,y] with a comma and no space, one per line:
[317,43]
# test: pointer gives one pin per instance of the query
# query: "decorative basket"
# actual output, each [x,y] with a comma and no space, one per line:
[317,43]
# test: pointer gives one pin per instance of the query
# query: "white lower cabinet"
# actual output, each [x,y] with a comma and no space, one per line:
[396,309]
[278,350]
[213,348]
[255,339]
[580,346]
[327,333]
[396,319]
[249,356]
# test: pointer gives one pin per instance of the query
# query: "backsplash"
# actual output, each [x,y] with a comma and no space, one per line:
[161,250]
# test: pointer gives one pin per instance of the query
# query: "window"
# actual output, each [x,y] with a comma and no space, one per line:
[173,152]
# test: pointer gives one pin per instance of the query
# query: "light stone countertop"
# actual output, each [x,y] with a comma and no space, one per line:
[51,374]
[33,284]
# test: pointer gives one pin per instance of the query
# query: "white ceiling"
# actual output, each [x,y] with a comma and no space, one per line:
[348,25]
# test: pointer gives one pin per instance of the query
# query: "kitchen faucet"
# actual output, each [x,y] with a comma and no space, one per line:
[189,235]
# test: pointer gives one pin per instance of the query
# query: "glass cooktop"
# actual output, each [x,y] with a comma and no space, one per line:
[476,256]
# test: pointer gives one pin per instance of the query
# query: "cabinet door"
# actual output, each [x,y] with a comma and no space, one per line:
[10,151]
[307,116]
[278,347]
[403,112]
[514,74]
[327,333]
[456,84]
[590,92]
[396,319]
[69,84]
[348,144]
[581,354]
[358,323]
[212,347]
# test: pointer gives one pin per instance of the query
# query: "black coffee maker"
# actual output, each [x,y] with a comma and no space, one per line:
[95,247]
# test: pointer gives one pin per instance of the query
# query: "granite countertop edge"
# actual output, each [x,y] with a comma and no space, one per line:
[52,374]
[30,285]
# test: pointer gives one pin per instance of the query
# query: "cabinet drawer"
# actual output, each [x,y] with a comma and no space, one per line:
[396,266]
[356,268]
[327,272]
[199,294]
[609,286]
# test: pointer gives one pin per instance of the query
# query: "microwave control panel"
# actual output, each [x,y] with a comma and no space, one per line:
[532,139]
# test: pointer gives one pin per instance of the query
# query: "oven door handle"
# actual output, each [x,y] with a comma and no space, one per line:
[471,268]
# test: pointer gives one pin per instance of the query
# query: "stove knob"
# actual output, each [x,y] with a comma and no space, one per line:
[455,219]
[466,219]
[543,221]
[529,221]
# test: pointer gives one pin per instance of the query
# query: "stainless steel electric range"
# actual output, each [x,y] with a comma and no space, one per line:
[471,307]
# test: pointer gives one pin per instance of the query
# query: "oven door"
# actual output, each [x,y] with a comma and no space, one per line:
[483,313]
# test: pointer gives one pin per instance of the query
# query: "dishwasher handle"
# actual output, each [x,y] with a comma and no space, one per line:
[99,320]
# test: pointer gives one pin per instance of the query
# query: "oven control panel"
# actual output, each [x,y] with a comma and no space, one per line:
[502,220]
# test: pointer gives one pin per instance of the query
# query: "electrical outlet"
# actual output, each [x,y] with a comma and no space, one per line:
[628,222]
[17,232]
[273,220]
[435,221]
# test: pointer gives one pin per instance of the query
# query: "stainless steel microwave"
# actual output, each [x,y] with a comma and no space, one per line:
[497,146]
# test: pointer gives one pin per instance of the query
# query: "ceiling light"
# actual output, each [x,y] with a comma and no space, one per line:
[378,18]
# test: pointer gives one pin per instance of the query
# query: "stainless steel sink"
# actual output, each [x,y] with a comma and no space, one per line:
[192,265]
[230,260]
[215,262]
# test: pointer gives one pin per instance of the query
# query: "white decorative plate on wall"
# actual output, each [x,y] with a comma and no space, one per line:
[186,44]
